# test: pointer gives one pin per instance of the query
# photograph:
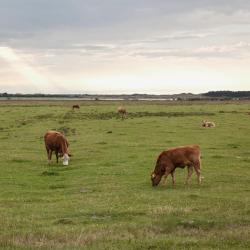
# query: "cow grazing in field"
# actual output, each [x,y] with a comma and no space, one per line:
[75,107]
[207,124]
[56,141]
[178,157]
[122,112]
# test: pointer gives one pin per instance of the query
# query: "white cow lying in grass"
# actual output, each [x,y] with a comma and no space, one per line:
[207,124]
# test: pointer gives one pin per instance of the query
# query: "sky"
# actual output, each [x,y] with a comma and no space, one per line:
[124,46]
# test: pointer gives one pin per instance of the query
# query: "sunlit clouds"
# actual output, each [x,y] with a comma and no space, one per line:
[27,73]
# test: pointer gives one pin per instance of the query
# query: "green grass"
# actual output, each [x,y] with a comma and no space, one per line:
[104,198]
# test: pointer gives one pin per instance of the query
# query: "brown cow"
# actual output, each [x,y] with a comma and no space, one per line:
[207,124]
[75,107]
[178,157]
[56,141]
[122,112]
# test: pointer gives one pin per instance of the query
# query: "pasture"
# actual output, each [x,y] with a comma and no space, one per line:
[104,198]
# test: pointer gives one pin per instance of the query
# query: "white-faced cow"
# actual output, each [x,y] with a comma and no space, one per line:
[178,157]
[56,141]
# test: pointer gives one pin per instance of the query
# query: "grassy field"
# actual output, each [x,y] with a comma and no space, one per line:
[104,198]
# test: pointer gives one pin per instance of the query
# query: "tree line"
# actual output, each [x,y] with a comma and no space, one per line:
[229,94]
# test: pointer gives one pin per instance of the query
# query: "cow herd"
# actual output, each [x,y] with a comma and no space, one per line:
[178,157]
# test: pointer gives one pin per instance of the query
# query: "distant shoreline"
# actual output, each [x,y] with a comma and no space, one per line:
[211,95]
[82,99]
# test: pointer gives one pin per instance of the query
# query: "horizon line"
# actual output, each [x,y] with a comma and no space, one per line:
[180,93]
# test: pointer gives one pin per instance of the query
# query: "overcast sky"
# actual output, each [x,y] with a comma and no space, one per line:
[124,46]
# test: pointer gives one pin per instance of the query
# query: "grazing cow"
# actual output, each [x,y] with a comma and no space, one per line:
[122,112]
[75,107]
[56,141]
[207,124]
[178,157]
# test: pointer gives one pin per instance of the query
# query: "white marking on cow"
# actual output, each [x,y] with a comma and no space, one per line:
[65,159]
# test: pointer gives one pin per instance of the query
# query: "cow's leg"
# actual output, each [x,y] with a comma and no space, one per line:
[173,178]
[165,176]
[49,155]
[56,156]
[190,171]
[47,152]
[164,181]
[197,168]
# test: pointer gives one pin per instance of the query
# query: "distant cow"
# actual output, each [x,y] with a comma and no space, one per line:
[178,157]
[56,141]
[75,107]
[207,124]
[122,112]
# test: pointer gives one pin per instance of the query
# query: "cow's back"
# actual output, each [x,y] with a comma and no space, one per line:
[180,156]
[121,110]
[185,152]
[53,140]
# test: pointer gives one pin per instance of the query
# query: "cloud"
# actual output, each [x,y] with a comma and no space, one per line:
[240,49]
[60,23]
[223,48]
[20,66]
[141,49]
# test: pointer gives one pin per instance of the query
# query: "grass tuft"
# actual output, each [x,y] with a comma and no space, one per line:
[50,173]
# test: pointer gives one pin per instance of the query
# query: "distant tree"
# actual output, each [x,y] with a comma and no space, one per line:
[228,94]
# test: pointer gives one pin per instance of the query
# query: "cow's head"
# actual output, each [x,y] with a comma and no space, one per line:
[204,122]
[65,159]
[155,178]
